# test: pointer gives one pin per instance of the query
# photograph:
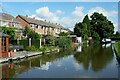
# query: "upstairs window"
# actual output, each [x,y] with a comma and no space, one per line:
[56,29]
[37,26]
[53,29]
[42,27]
[50,28]
[32,25]
[21,26]
[26,25]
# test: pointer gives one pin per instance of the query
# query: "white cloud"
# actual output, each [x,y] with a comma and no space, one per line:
[78,13]
[76,16]
[116,27]
[59,12]
[44,13]
[103,11]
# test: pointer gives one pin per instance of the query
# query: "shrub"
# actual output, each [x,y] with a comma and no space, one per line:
[64,42]
[31,48]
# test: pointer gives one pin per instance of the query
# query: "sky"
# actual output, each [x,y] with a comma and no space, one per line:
[63,13]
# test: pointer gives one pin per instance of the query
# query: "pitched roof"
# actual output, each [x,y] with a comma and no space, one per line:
[39,22]
[3,35]
[8,17]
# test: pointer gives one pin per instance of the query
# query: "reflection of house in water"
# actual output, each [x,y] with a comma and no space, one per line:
[79,48]
[4,71]
[45,66]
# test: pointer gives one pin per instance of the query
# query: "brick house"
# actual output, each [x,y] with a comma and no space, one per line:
[9,21]
[41,27]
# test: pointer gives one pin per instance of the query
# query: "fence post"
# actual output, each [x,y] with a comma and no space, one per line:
[29,41]
[44,41]
[40,43]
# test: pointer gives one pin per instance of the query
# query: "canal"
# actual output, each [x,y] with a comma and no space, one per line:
[95,61]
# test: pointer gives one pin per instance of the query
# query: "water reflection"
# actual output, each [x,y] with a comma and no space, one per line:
[106,45]
[95,57]
[86,61]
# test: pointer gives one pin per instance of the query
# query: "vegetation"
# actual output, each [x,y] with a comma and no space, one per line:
[31,34]
[98,27]
[64,42]
[117,48]
[63,34]
[51,40]
[10,31]
[43,48]
[115,36]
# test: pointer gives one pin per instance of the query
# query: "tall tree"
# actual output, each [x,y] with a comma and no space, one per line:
[87,21]
[81,29]
[101,25]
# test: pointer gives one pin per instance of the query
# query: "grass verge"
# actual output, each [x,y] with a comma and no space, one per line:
[117,49]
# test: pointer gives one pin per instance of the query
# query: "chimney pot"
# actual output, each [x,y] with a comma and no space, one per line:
[33,17]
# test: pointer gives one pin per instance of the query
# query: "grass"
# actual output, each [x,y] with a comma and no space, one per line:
[117,48]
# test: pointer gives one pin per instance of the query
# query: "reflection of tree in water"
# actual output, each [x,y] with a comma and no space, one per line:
[96,55]
[26,65]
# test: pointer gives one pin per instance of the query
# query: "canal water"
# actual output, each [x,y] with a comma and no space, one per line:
[95,61]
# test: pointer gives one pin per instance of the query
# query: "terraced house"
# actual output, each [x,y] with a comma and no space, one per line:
[41,27]
[9,21]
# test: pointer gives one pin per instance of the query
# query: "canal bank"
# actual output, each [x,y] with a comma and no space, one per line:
[25,54]
[117,49]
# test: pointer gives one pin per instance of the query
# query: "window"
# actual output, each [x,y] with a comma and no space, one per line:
[32,25]
[56,29]
[50,28]
[3,44]
[26,25]
[42,27]
[21,26]
[4,23]
[53,29]
[37,26]
[15,25]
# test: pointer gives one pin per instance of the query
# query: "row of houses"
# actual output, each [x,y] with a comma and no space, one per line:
[39,26]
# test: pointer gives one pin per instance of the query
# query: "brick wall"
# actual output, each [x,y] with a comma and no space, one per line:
[23,22]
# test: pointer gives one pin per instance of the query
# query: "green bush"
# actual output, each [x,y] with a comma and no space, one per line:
[31,48]
[64,42]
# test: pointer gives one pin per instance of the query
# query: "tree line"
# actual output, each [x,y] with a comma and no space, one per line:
[97,27]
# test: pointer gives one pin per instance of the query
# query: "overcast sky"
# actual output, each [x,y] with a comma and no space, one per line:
[64,13]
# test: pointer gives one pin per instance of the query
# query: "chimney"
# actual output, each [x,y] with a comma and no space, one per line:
[33,17]
[59,24]
[45,20]
[49,21]
[56,23]
[26,15]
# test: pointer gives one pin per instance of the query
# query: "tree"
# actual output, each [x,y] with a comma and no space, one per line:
[80,29]
[10,31]
[63,34]
[31,34]
[26,31]
[87,21]
[51,40]
[101,25]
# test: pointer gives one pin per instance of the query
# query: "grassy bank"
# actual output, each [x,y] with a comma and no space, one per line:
[117,49]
